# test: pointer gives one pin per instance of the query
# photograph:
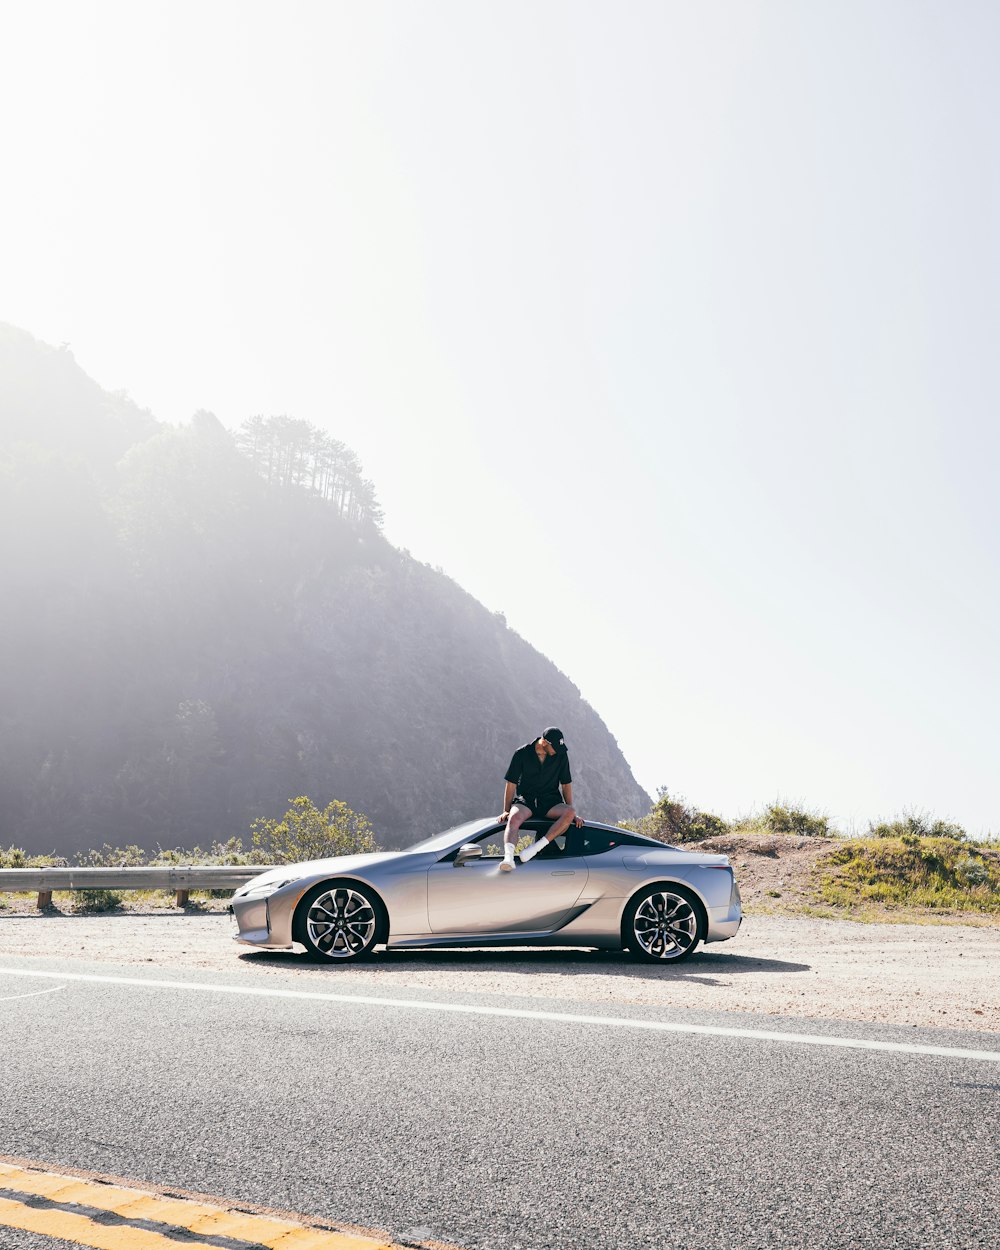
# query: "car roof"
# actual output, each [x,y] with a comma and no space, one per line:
[488,824]
[594,824]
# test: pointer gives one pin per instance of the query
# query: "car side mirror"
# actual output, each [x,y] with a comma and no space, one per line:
[467,852]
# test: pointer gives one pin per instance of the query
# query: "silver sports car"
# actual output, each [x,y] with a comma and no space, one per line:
[593,886]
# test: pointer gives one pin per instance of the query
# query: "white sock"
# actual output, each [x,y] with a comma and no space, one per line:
[508,852]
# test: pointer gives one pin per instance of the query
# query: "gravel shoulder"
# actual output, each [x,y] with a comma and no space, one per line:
[921,975]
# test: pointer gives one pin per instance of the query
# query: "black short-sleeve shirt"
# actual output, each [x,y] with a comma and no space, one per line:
[537,778]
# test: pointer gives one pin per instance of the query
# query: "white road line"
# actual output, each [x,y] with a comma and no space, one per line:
[518,1013]
[10,998]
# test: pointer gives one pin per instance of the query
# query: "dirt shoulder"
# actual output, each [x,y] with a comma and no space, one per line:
[940,976]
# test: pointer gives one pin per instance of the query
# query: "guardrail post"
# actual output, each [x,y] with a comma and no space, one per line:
[44,899]
[181,897]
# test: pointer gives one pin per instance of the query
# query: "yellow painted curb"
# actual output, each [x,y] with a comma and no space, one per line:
[195,1214]
[84,1232]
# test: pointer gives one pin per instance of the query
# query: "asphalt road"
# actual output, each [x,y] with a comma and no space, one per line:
[498,1132]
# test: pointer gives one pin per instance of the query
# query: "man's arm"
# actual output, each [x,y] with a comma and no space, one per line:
[509,791]
[567,794]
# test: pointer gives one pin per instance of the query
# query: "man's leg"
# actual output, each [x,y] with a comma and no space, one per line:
[563,815]
[518,815]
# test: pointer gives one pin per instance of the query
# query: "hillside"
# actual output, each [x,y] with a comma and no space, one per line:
[873,879]
[188,642]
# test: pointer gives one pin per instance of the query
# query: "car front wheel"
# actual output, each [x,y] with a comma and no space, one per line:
[339,921]
[662,924]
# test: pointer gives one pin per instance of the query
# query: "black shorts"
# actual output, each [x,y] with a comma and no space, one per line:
[540,805]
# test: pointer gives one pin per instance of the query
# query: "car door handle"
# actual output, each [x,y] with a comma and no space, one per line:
[563,872]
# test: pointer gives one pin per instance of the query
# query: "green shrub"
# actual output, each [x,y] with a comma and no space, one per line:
[673,821]
[917,825]
[972,872]
[229,853]
[782,818]
[17,857]
[305,832]
[97,900]
[112,857]
[940,873]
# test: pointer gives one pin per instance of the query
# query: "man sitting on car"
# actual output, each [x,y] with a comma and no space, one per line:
[538,772]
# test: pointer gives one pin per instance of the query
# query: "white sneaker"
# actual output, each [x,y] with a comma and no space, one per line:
[531,851]
[508,859]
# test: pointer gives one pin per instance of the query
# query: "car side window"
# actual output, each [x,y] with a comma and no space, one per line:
[493,840]
[596,841]
[492,844]
[554,849]
[530,831]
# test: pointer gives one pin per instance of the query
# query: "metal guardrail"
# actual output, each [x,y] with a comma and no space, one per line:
[181,879]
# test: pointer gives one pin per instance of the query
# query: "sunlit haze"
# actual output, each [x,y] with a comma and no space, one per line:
[668,330]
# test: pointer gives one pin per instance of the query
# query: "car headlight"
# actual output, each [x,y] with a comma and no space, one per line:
[264,887]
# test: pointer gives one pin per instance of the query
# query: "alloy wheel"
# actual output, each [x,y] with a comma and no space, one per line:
[341,923]
[665,925]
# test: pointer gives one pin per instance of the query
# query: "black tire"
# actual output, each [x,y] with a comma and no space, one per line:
[340,921]
[663,924]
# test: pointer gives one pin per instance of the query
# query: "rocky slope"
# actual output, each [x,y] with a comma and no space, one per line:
[186,646]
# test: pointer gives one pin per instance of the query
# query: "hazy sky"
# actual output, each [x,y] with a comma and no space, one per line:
[670,330]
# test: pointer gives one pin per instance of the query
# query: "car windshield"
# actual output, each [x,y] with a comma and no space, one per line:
[442,840]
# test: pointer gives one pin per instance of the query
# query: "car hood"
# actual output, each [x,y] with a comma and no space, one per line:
[341,863]
[321,867]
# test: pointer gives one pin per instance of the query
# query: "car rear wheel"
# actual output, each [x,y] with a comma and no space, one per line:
[662,924]
[339,921]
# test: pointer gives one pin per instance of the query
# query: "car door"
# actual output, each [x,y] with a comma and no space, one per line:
[478,898]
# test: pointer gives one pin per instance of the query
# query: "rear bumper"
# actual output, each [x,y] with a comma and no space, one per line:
[723,922]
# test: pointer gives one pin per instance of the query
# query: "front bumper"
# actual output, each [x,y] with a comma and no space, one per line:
[252,917]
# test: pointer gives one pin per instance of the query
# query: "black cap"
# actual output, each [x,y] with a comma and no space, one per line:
[555,737]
